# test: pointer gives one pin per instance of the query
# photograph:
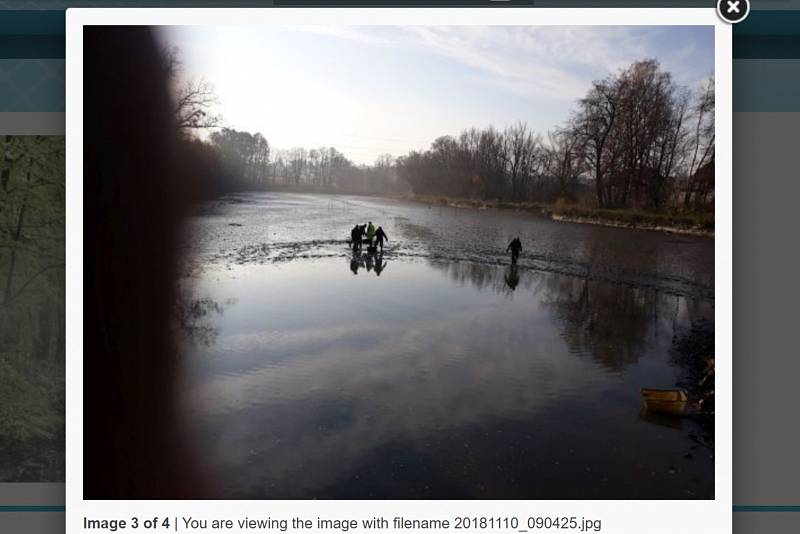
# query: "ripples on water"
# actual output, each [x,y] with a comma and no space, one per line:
[438,378]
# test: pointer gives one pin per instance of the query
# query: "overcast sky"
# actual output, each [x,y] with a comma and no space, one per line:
[369,90]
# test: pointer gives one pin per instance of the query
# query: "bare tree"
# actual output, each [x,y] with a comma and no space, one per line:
[565,162]
[193,104]
[519,153]
[702,144]
[633,129]
[594,122]
[194,99]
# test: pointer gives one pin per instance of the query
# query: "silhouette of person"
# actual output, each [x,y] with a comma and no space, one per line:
[515,247]
[380,236]
[355,239]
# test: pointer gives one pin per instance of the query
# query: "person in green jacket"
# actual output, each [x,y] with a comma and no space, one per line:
[370,233]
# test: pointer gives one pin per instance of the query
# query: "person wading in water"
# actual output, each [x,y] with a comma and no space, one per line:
[356,236]
[380,236]
[370,234]
[515,247]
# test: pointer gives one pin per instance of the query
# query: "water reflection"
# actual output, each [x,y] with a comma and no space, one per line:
[434,386]
[612,322]
[512,276]
[609,321]
[503,281]
[667,421]
[197,318]
[380,265]
[371,261]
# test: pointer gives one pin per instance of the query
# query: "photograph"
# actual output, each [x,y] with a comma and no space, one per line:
[408,262]
[32,317]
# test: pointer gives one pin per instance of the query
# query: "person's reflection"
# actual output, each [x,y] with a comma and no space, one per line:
[370,261]
[380,265]
[356,261]
[512,277]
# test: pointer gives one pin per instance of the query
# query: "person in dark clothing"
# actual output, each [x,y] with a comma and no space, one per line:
[380,236]
[515,247]
[357,236]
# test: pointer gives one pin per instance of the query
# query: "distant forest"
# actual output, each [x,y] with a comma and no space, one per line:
[636,140]
[32,320]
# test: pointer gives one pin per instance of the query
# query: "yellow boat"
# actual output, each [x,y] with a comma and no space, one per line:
[667,401]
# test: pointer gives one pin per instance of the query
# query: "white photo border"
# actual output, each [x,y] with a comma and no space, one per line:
[652,516]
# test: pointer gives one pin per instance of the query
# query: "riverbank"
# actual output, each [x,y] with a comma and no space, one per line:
[691,223]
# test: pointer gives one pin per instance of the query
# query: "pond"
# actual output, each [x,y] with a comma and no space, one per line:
[435,369]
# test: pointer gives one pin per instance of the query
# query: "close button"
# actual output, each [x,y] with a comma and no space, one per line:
[733,11]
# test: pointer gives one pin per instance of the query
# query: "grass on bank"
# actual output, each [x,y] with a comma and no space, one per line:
[681,221]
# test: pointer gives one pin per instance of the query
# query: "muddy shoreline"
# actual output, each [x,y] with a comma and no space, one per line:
[618,224]
[563,215]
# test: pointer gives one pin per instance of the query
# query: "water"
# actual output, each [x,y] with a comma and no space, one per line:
[448,374]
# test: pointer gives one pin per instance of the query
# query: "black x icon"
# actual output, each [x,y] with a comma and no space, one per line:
[733,11]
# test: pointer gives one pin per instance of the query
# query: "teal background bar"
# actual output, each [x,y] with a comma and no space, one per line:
[768,35]
[32,23]
[766,85]
[770,509]
[32,85]
[32,46]
[769,23]
[32,34]
[766,46]
[35,509]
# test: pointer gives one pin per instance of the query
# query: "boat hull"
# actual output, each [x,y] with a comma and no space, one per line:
[666,401]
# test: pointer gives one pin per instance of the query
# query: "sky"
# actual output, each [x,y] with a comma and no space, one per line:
[369,90]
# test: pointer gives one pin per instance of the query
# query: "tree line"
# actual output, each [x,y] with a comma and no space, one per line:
[636,140]
[232,160]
